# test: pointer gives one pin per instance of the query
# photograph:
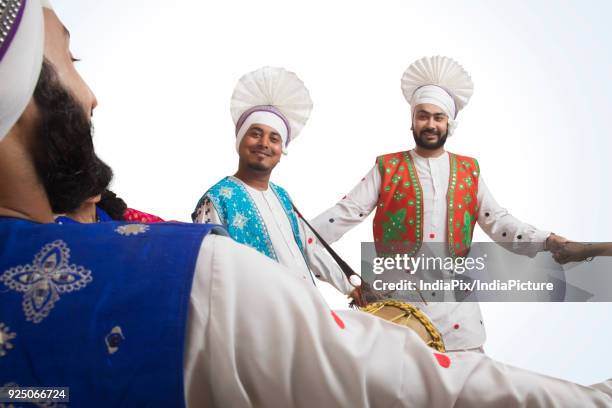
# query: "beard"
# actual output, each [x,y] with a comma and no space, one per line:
[258,167]
[62,147]
[256,164]
[421,139]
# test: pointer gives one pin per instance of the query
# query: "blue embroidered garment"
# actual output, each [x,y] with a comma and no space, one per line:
[99,308]
[101,215]
[240,215]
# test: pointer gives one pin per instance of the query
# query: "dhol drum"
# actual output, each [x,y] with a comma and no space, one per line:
[407,315]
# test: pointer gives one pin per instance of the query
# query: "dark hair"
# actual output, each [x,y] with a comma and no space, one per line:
[63,150]
[114,206]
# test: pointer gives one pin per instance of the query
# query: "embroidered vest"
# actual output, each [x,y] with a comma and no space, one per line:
[242,218]
[398,222]
[99,308]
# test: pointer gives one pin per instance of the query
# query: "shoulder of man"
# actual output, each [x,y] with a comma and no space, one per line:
[218,195]
[471,163]
[384,158]
[391,155]
[216,189]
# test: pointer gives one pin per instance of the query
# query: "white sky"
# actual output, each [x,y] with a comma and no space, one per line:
[538,122]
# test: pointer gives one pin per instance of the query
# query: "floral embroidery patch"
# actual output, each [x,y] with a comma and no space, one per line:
[42,281]
[5,337]
[132,229]
[239,221]
[226,192]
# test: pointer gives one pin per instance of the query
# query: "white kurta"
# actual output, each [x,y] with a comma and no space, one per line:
[247,348]
[460,323]
[314,259]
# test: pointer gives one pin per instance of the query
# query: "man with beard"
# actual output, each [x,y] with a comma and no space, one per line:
[109,310]
[428,195]
[269,107]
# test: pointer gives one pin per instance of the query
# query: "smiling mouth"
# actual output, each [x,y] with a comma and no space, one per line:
[261,153]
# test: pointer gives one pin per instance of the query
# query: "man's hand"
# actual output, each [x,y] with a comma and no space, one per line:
[357,298]
[555,243]
[572,252]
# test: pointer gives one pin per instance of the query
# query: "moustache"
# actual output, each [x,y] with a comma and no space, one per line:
[261,150]
[428,132]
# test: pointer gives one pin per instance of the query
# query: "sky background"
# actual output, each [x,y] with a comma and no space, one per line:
[163,73]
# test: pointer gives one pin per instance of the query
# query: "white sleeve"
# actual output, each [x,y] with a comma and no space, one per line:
[349,212]
[258,337]
[206,213]
[501,226]
[321,263]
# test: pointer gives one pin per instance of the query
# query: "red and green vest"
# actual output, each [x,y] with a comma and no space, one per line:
[398,223]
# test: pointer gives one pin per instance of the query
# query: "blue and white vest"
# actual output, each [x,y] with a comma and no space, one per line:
[99,308]
[239,214]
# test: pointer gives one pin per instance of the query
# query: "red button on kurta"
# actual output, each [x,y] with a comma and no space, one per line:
[432,235]
[456,326]
[310,240]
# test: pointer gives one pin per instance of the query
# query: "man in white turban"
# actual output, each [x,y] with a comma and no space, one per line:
[172,313]
[269,106]
[427,195]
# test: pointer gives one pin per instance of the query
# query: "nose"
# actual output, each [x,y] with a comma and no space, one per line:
[93,100]
[265,140]
[431,124]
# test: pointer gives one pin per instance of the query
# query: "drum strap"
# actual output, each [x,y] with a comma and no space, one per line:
[364,294]
[348,271]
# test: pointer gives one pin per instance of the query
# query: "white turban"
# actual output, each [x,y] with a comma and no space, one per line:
[440,81]
[264,115]
[274,97]
[436,96]
[21,54]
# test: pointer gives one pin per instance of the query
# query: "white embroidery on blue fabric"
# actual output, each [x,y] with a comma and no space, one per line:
[226,192]
[240,203]
[239,221]
[5,336]
[132,229]
[42,281]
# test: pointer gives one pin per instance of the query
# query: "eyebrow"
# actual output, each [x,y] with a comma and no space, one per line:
[430,113]
[257,128]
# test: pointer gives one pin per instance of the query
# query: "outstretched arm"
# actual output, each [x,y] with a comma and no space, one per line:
[501,226]
[349,212]
[576,251]
[261,338]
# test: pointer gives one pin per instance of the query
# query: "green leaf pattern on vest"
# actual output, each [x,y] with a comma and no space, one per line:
[393,228]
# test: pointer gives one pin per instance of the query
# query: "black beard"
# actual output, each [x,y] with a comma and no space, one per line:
[259,168]
[418,139]
[62,148]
